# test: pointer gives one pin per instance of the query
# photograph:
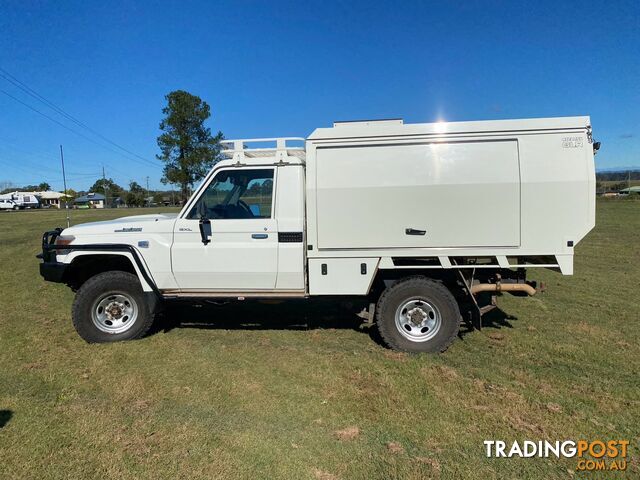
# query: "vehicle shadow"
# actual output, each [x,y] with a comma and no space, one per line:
[308,314]
[5,416]
[496,318]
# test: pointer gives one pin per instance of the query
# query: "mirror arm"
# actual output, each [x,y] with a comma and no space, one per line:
[204,221]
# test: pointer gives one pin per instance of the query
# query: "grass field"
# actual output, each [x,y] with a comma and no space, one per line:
[284,391]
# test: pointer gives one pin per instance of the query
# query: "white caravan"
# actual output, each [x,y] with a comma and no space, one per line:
[422,223]
[22,199]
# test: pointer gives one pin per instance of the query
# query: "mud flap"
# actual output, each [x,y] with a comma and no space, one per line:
[155,304]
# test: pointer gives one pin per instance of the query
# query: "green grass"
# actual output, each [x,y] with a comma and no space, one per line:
[226,402]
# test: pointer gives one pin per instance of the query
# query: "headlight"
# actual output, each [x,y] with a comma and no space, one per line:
[63,240]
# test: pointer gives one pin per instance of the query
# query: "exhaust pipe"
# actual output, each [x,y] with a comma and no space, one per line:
[503,287]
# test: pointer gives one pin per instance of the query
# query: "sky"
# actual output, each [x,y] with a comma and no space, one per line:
[285,68]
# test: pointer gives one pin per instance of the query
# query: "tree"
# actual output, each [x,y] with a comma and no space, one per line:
[44,187]
[107,187]
[159,197]
[135,196]
[186,144]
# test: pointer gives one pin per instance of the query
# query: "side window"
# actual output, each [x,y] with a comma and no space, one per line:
[235,194]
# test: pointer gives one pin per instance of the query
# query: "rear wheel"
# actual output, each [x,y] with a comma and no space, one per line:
[110,307]
[418,314]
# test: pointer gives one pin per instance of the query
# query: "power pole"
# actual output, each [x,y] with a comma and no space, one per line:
[104,186]
[64,180]
[148,187]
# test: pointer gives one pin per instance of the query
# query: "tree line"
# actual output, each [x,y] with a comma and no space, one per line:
[134,196]
[8,187]
[618,176]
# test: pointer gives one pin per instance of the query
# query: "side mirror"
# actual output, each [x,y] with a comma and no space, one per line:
[204,224]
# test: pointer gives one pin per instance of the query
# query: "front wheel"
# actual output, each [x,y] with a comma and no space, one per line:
[417,315]
[110,307]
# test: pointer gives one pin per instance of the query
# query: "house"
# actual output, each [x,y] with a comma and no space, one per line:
[51,199]
[90,200]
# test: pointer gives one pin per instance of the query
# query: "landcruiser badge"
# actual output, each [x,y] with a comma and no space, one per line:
[130,229]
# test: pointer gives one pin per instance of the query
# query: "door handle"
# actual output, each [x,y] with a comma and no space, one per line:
[259,236]
[413,231]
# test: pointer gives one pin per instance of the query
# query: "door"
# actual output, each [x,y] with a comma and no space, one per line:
[443,195]
[243,252]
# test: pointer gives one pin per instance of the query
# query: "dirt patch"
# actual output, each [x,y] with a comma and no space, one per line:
[322,475]
[347,434]
[480,408]
[435,464]
[33,366]
[544,387]
[589,329]
[141,404]
[554,407]
[397,356]
[441,371]
[519,423]
[395,447]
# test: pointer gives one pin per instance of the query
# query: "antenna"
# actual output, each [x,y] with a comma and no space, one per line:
[64,180]
[104,187]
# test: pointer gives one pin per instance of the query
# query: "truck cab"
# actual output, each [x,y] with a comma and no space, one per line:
[424,225]
[242,232]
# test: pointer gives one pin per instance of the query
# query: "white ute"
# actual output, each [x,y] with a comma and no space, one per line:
[423,224]
[8,204]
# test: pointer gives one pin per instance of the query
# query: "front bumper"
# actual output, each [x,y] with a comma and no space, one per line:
[53,271]
[50,269]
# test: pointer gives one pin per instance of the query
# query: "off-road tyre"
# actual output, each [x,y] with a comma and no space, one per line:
[433,293]
[100,286]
